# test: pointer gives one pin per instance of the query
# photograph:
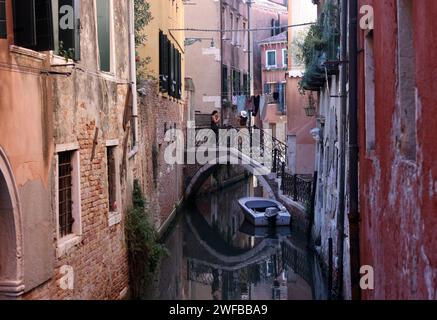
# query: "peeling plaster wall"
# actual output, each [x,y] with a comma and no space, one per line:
[397,196]
[26,144]
[328,164]
[88,109]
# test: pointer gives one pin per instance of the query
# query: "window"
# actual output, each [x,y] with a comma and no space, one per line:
[407,80]
[281,92]
[276,27]
[65,201]
[237,34]
[232,29]
[68,193]
[225,86]
[66,18]
[112,179]
[271,59]
[3,29]
[43,25]
[369,70]
[267,88]
[225,24]
[170,67]
[285,58]
[246,89]
[103,8]
[33,24]
[236,82]
[245,37]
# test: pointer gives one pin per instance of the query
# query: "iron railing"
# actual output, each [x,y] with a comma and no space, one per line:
[298,187]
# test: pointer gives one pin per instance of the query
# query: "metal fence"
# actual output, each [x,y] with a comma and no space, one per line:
[298,187]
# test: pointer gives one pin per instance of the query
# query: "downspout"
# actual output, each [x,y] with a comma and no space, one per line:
[354,215]
[249,66]
[221,65]
[133,77]
[343,95]
[250,49]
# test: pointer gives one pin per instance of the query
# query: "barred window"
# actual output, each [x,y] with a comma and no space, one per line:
[112,180]
[65,184]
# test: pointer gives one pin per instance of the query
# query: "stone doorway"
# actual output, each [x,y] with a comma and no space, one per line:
[11,284]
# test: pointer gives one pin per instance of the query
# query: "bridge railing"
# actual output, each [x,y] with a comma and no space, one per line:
[297,187]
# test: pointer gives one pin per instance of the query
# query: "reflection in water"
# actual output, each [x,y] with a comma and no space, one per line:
[216,255]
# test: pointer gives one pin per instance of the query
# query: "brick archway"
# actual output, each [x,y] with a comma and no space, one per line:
[11,275]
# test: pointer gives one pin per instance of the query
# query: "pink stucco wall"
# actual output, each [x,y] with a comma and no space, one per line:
[398,197]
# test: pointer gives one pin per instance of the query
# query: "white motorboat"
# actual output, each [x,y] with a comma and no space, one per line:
[263,212]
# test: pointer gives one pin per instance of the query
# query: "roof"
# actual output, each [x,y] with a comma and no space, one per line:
[282,37]
[269,5]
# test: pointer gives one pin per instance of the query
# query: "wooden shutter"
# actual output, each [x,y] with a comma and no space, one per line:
[3,29]
[225,87]
[161,60]
[44,25]
[170,69]
[24,23]
[174,69]
[179,75]
[71,37]
[33,24]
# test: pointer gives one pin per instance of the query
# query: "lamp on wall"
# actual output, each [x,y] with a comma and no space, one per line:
[310,109]
[191,41]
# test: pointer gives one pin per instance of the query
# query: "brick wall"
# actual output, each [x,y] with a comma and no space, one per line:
[162,183]
[99,261]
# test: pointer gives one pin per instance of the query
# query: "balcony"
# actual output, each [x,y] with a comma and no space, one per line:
[321,49]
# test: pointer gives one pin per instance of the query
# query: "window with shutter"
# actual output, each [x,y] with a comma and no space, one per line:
[104,35]
[246,84]
[170,67]
[161,60]
[179,75]
[3,29]
[24,23]
[164,62]
[33,24]
[225,87]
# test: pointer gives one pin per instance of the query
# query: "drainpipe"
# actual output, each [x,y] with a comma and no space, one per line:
[221,65]
[250,48]
[249,69]
[133,77]
[354,215]
[343,95]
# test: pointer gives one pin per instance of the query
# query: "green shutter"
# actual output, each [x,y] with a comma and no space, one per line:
[3,29]
[104,40]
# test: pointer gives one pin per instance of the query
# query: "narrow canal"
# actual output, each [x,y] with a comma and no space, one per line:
[216,255]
